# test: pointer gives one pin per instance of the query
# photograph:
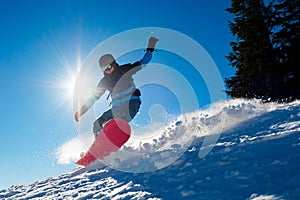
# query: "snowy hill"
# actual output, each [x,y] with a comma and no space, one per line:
[257,156]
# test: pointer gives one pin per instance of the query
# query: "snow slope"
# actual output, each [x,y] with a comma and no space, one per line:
[257,156]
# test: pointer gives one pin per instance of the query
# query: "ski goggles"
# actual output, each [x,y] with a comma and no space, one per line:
[107,68]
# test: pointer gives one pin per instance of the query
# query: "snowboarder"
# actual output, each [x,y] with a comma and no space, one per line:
[118,81]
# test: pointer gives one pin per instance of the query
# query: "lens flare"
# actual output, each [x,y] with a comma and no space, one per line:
[60,81]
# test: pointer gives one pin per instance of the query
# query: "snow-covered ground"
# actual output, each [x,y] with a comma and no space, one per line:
[257,156]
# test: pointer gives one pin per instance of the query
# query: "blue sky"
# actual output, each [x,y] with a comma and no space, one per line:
[43,43]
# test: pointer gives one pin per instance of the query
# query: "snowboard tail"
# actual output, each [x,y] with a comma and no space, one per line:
[114,134]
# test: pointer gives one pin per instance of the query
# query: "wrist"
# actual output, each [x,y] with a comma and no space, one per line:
[150,49]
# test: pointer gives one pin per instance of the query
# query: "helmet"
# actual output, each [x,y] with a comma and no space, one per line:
[106,60]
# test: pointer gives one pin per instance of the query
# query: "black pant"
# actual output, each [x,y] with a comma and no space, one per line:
[127,112]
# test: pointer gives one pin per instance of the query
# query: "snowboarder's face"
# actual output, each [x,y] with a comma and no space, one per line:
[109,71]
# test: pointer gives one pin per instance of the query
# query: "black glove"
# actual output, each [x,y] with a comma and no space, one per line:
[151,43]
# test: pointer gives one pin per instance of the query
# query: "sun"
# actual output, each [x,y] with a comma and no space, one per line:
[67,84]
[61,84]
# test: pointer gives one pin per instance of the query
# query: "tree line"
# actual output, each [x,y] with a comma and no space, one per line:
[266,50]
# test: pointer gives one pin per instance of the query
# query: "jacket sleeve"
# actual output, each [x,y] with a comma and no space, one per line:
[135,67]
[146,59]
[98,92]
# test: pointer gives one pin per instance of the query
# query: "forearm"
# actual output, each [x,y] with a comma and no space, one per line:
[150,48]
[146,59]
[84,108]
[89,103]
[98,92]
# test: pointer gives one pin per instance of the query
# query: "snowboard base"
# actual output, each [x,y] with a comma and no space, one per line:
[115,133]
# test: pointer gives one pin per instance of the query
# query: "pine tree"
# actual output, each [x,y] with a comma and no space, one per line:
[252,54]
[285,21]
[267,51]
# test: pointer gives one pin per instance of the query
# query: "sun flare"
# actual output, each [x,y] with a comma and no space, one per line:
[67,84]
[62,83]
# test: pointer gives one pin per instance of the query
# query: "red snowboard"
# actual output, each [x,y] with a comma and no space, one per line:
[114,134]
